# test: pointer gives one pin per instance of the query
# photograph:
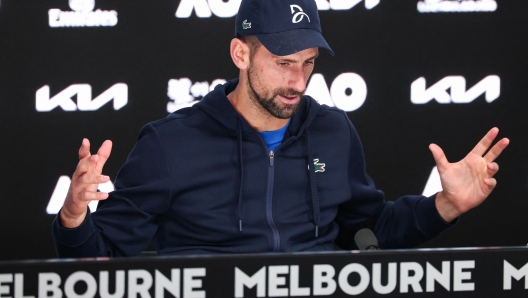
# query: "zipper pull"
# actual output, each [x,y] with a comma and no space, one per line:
[271,155]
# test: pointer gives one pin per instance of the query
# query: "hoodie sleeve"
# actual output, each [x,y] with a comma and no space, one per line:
[404,223]
[125,223]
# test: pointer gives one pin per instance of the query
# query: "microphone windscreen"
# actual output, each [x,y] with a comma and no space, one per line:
[365,239]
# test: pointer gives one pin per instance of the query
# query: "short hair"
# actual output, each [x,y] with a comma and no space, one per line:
[253,43]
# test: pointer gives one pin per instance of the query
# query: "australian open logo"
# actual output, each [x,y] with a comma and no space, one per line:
[299,16]
[82,15]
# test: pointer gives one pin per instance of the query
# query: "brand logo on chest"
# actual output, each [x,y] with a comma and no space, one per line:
[318,166]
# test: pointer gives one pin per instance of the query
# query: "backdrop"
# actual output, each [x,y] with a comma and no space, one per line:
[408,73]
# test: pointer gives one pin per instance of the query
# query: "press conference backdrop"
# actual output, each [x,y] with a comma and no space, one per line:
[408,73]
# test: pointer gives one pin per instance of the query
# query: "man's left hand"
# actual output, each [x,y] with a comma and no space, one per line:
[467,183]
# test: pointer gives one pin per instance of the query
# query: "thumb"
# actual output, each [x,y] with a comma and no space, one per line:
[439,157]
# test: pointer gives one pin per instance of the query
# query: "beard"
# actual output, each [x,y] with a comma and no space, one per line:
[266,98]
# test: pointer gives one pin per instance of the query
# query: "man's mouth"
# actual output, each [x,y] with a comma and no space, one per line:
[289,99]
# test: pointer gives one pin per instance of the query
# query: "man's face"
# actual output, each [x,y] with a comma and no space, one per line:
[277,83]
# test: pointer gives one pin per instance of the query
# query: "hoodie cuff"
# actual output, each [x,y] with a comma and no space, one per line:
[429,220]
[76,236]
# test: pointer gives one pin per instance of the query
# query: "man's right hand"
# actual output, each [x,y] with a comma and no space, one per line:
[84,183]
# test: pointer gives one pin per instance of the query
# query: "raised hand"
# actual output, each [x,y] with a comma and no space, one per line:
[467,183]
[83,187]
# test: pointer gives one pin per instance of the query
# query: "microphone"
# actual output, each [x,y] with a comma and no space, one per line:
[366,240]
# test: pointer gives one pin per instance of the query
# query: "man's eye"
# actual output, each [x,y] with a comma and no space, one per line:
[283,63]
[309,62]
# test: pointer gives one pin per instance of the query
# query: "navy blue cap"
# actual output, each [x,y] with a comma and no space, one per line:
[284,27]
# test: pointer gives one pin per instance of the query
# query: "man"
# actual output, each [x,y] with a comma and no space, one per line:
[258,167]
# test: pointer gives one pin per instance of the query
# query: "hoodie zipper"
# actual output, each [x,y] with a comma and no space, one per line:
[269,203]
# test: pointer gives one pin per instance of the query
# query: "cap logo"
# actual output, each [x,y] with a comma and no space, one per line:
[246,25]
[299,16]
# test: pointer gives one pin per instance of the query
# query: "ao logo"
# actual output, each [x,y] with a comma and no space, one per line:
[347,92]
[490,86]
[344,4]
[61,190]
[229,8]
[205,8]
[118,93]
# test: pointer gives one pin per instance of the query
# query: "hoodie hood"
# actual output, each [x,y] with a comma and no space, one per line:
[217,105]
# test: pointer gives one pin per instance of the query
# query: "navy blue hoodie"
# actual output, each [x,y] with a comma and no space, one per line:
[202,180]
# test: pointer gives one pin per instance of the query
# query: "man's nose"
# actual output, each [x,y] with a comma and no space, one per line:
[297,80]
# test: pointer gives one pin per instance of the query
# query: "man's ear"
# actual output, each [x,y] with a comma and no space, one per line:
[239,53]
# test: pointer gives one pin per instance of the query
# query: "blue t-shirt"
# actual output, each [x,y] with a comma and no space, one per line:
[274,138]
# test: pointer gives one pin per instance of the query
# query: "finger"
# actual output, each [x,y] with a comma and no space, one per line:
[93,179]
[103,154]
[93,195]
[492,168]
[490,182]
[105,178]
[84,151]
[485,142]
[496,150]
[439,157]
[86,164]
